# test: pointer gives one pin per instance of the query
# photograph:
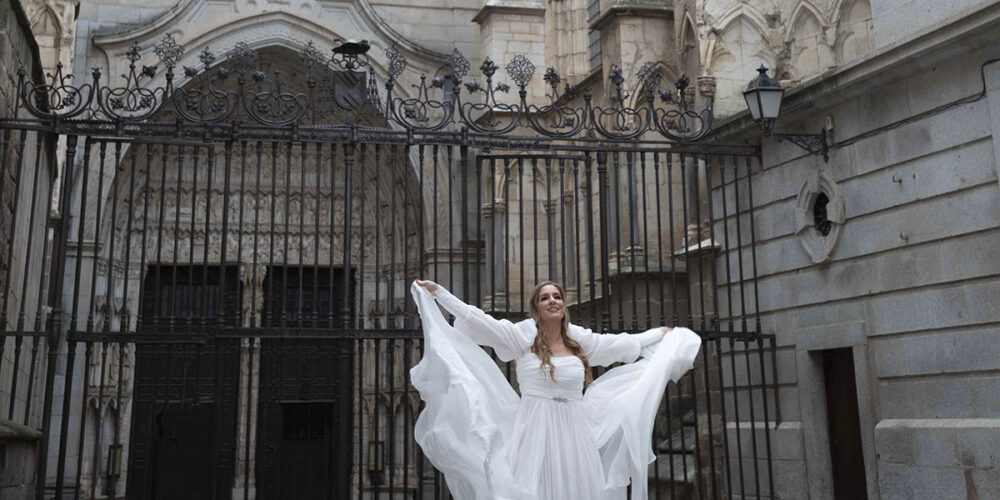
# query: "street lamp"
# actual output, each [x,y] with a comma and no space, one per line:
[763,97]
[347,53]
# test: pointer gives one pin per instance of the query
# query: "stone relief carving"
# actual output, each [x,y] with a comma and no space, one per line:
[796,40]
[308,211]
[53,22]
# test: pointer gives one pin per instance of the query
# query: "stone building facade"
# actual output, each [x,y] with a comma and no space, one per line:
[905,279]
[899,294]
[23,218]
[25,210]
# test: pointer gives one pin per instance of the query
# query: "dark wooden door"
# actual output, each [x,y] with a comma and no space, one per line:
[305,411]
[186,385]
[846,453]
[305,457]
[184,454]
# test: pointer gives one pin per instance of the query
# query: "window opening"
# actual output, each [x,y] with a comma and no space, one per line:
[822,223]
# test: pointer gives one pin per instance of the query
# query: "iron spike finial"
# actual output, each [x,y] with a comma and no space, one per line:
[458,65]
[521,70]
[397,62]
[168,51]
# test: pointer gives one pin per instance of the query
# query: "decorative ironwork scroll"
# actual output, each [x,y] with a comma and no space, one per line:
[59,97]
[346,81]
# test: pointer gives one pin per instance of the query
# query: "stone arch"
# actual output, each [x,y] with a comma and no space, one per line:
[46,22]
[106,433]
[259,26]
[855,30]
[93,429]
[50,32]
[741,24]
[298,190]
[741,46]
[200,24]
[748,12]
[690,50]
[805,36]
[519,212]
[637,93]
[505,177]
[803,10]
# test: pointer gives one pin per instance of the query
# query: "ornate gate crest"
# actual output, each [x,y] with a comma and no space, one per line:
[346,80]
[340,90]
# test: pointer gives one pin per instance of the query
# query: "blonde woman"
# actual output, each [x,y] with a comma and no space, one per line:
[554,441]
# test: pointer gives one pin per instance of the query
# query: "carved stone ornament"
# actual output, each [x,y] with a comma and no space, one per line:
[818,246]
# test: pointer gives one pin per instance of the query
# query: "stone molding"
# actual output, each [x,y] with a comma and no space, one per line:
[992,78]
[519,8]
[199,24]
[631,10]
[171,20]
[817,246]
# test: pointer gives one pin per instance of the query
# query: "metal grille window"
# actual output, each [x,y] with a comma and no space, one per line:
[302,296]
[181,295]
[823,224]
[594,37]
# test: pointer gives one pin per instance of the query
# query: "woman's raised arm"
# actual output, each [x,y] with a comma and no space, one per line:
[500,334]
[603,349]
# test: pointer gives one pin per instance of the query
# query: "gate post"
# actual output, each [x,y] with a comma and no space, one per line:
[55,321]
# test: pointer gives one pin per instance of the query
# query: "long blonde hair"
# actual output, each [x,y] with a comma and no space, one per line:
[541,347]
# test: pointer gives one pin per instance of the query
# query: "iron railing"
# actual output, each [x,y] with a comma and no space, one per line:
[217,297]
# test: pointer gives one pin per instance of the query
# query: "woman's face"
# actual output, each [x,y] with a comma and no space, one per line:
[550,303]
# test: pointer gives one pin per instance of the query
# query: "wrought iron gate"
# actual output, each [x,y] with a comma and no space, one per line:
[235,252]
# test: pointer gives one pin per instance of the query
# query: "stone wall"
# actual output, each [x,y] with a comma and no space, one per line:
[18,443]
[52,25]
[22,176]
[509,31]
[435,26]
[909,280]
[912,281]
[898,20]
[797,40]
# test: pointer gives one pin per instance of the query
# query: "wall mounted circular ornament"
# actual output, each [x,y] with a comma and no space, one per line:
[819,215]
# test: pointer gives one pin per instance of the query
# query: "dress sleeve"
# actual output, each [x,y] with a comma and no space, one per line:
[503,336]
[604,349]
[649,337]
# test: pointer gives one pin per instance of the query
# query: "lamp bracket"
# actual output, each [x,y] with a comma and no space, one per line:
[815,144]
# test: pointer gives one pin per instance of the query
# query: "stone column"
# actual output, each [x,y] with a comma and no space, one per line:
[697,188]
[508,29]
[550,208]
[487,213]
[992,75]
[251,281]
[633,34]
[570,244]
[496,299]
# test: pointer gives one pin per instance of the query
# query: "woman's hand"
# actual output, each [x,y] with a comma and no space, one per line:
[666,330]
[428,284]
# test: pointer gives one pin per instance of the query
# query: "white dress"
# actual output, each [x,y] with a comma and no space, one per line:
[553,442]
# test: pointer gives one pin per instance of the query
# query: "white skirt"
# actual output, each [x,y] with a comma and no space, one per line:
[490,444]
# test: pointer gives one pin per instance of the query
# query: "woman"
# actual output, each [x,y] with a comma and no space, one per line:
[553,442]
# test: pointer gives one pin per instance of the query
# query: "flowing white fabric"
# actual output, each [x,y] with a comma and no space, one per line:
[554,442]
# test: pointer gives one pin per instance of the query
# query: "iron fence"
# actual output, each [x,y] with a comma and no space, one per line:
[220,308]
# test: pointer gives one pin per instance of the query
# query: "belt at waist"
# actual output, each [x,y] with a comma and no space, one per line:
[560,399]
